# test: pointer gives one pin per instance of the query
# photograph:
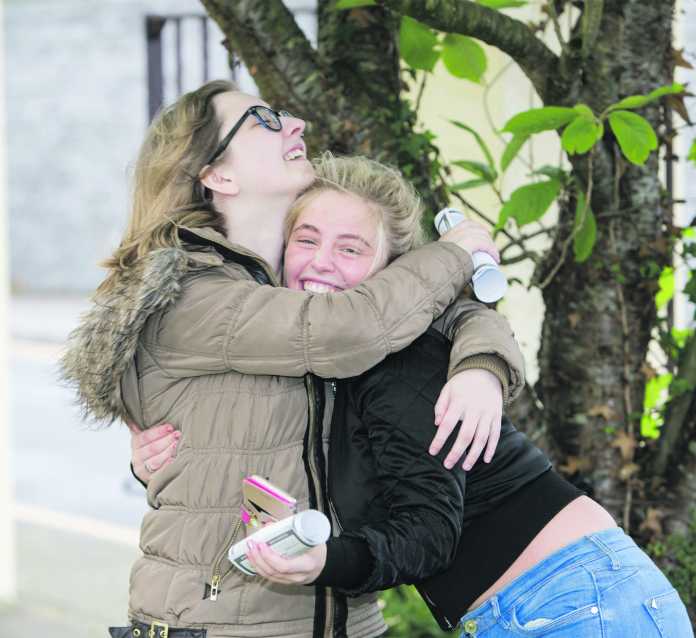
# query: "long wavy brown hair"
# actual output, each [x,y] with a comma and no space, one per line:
[166,190]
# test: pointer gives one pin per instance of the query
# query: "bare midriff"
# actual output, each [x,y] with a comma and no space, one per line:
[579,518]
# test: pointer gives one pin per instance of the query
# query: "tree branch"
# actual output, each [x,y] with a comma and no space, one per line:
[557,27]
[278,55]
[497,29]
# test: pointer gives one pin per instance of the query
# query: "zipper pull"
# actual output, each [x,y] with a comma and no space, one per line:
[214,587]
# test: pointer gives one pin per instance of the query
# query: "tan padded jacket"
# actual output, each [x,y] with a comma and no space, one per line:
[192,337]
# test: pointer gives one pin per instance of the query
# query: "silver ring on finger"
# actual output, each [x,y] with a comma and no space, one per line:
[150,470]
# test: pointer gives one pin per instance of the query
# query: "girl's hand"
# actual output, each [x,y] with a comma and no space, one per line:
[299,570]
[152,449]
[474,397]
[472,237]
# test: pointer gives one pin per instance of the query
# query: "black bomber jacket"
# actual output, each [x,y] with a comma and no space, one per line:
[400,512]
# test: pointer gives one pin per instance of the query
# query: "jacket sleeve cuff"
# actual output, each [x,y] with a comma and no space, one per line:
[490,362]
[349,563]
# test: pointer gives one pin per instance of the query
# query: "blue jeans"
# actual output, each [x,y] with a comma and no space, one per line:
[602,586]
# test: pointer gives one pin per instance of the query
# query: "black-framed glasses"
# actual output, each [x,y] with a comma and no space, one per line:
[265,115]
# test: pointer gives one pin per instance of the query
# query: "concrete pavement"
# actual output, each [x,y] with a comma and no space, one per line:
[76,510]
[70,584]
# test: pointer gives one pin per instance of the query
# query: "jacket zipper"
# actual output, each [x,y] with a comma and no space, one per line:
[334,513]
[318,489]
[218,576]
[330,477]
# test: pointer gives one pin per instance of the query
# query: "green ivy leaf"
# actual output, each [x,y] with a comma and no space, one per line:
[583,109]
[529,203]
[552,172]
[581,134]
[502,4]
[546,118]
[666,292]
[692,152]
[585,230]
[512,149]
[417,44]
[479,140]
[634,134]
[637,101]
[463,57]
[655,396]
[655,388]
[681,335]
[477,168]
[352,4]
[650,425]
[690,289]
[472,183]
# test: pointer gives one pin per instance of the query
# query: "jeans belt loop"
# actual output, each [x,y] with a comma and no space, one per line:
[497,614]
[611,554]
[496,607]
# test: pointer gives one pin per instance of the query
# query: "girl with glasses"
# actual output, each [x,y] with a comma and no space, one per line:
[192,327]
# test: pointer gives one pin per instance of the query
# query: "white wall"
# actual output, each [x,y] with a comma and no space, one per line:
[487,110]
[7,542]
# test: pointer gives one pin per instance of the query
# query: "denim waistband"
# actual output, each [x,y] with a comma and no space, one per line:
[604,544]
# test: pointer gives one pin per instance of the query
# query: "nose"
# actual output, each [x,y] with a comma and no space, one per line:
[322,261]
[293,126]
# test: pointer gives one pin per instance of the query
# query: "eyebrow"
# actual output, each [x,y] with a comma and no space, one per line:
[343,236]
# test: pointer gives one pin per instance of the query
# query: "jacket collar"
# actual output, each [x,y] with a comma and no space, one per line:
[210,238]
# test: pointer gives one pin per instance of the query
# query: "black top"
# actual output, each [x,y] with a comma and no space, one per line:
[491,544]
[405,518]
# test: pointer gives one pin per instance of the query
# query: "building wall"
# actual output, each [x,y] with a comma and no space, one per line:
[77,110]
[8,584]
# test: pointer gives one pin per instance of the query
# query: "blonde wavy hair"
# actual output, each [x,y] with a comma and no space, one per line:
[166,190]
[397,206]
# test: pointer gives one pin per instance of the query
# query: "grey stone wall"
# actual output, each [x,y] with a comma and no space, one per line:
[76,105]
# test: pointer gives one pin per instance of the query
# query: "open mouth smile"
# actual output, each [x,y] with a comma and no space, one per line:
[319,287]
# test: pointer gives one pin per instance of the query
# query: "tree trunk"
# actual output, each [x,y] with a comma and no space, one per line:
[599,314]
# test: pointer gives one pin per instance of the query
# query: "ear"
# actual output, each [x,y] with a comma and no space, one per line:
[214,179]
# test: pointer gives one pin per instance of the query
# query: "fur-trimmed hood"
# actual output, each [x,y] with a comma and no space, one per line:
[100,350]
[102,347]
